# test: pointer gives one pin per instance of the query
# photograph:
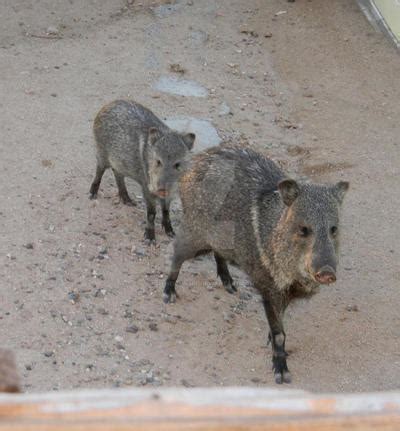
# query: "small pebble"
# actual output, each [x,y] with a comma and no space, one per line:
[352,308]
[132,329]
[153,326]
[52,31]
[73,297]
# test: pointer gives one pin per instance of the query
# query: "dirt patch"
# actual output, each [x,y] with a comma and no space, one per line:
[81,298]
[324,168]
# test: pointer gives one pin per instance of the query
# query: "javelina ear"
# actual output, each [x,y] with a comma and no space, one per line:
[289,191]
[188,139]
[153,135]
[340,190]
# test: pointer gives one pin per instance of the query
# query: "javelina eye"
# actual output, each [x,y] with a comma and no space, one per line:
[304,231]
[334,230]
[177,166]
[159,163]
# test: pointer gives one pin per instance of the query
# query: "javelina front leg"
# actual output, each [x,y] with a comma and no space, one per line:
[149,233]
[122,191]
[184,249]
[277,337]
[223,273]
[151,201]
[166,221]
[94,188]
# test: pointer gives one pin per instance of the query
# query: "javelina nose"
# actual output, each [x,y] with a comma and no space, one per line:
[162,193]
[326,275]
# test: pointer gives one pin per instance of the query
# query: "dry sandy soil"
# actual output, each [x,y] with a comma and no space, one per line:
[315,87]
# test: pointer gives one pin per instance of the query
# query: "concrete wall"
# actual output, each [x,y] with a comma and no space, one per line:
[384,14]
[390,11]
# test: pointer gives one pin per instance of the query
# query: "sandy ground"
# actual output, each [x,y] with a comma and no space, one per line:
[80,301]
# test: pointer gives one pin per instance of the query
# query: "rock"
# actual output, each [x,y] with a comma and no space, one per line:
[206,134]
[228,316]
[52,31]
[198,37]
[245,296]
[119,346]
[153,326]
[132,329]
[102,311]
[251,32]
[180,87]
[100,292]
[186,383]
[152,62]
[29,246]
[73,297]
[256,380]
[352,308]
[165,10]
[48,354]
[224,109]
[150,377]
[103,254]
[177,68]
[170,319]
[47,163]
[139,251]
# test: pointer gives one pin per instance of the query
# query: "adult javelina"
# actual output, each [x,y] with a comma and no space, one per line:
[283,234]
[134,143]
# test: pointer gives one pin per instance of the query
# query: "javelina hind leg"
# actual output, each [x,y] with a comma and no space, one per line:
[278,337]
[224,275]
[122,191]
[166,221]
[94,188]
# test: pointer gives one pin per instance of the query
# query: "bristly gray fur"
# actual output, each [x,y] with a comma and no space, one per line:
[134,143]
[283,234]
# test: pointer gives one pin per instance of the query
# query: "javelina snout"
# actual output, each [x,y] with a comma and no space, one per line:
[326,275]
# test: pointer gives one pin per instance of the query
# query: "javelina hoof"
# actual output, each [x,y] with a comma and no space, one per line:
[170,232]
[169,292]
[169,298]
[230,287]
[284,377]
[150,235]
[93,196]
[281,372]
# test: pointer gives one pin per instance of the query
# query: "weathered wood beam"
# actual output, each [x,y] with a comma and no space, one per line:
[9,380]
[226,409]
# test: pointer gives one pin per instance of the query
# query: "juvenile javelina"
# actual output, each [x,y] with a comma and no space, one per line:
[283,234]
[134,143]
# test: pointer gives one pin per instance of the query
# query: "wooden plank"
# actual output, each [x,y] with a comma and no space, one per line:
[226,409]
[9,380]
